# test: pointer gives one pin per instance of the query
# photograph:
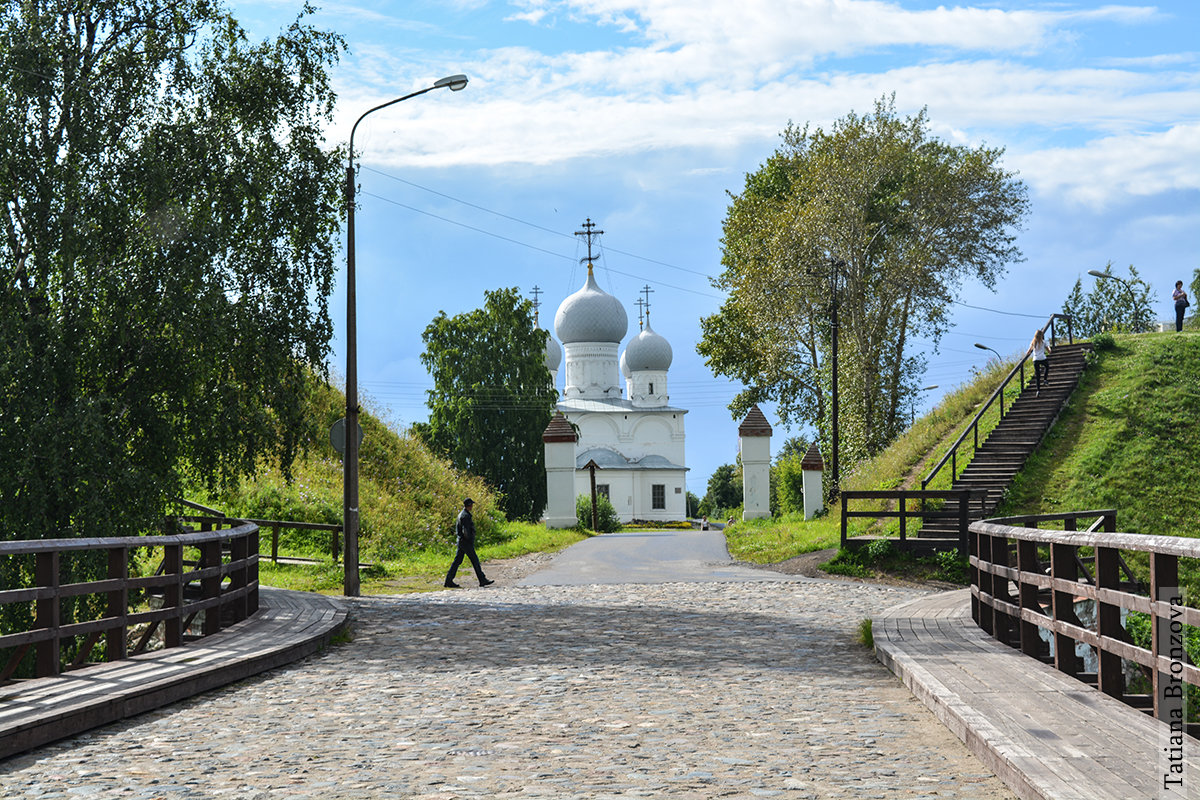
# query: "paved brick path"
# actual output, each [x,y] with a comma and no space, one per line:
[705,690]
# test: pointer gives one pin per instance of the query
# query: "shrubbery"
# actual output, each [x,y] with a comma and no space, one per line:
[606,516]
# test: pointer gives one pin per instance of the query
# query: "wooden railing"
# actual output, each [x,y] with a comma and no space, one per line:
[212,519]
[961,514]
[213,575]
[997,398]
[1026,580]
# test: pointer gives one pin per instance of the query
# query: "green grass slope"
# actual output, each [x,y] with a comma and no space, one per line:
[1128,439]
[408,497]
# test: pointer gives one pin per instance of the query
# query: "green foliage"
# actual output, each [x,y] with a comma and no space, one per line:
[1111,304]
[724,492]
[1103,341]
[607,520]
[168,251]
[907,219]
[866,634]
[492,398]
[789,483]
[408,497]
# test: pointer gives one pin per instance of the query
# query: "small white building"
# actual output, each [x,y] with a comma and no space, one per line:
[634,435]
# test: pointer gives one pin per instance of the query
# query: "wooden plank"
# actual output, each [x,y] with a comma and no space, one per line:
[295,625]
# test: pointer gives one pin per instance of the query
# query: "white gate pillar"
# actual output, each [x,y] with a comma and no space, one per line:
[559,441]
[754,442]
[811,468]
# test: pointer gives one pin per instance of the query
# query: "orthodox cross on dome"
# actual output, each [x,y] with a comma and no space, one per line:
[588,233]
[646,291]
[537,304]
[639,303]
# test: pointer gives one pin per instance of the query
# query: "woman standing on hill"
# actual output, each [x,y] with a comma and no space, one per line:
[1041,367]
[1181,304]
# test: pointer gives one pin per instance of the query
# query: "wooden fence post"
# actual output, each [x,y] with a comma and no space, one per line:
[173,594]
[1109,678]
[1062,567]
[1027,562]
[118,604]
[210,587]
[1164,587]
[47,613]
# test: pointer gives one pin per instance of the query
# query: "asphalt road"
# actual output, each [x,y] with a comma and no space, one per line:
[648,557]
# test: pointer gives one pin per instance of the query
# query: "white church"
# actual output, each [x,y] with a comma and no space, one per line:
[633,435]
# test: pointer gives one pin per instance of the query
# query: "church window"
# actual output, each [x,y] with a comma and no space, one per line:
[658,495]
[651,388]
[602,488]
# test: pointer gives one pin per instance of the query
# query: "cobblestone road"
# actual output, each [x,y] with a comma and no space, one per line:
[730,690]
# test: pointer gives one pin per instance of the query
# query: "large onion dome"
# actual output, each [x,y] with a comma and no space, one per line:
[648,350]
[591,315]
[553,355]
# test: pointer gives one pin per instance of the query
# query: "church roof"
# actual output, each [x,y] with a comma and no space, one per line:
[648,350]
[607,458]
[614,405]
[755,424]
[591,315]
[559,430]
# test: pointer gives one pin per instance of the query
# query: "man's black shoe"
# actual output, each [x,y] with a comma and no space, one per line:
[486,582]
[452,585]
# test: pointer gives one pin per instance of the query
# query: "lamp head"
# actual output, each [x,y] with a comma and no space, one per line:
[456,83]
[982,346]
[1097,273]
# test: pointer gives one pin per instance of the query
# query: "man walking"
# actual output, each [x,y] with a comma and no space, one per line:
[464,528]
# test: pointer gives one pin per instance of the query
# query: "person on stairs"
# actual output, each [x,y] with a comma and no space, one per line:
[464,528]
[1041,366]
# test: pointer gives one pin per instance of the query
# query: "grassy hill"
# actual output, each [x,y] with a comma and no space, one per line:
[408,500]
[1128,439]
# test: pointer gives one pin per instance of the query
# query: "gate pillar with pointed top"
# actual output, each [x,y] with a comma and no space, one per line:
[812,467]
[754,443]
[559,440]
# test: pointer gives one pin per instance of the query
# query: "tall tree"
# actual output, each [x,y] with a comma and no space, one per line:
[166,252]
[492,398]
[1110,305]
[879,217]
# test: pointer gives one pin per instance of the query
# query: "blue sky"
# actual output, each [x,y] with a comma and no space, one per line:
[641,114]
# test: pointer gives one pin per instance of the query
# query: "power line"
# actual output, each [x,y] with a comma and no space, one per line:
[530,224]
[535,247]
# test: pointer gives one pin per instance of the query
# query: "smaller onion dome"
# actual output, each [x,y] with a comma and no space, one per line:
[553,355]
[648,350]
[591,315]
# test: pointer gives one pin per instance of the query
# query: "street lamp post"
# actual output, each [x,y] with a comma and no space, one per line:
[1095,273]
[985,347]
[913,421]
[350,465]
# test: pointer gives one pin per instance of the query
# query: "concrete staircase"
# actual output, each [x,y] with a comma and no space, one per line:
[1003,453]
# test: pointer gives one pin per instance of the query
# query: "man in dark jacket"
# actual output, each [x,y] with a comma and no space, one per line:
[464,528]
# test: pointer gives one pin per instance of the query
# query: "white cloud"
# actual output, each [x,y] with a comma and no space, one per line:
[1115,168]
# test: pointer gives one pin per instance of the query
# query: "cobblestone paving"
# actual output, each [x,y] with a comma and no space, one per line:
[735,690]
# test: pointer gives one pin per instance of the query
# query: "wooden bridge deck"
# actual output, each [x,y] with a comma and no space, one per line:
[1043,733]
[288,626]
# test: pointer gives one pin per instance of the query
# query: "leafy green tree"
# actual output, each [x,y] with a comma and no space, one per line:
[886,220]
[167,249]
[492,398]
[1110,305]
[724,491]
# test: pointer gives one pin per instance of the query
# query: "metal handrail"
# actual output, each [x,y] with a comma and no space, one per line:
[973,426]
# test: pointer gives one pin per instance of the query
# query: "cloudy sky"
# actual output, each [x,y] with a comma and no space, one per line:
[642,114]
